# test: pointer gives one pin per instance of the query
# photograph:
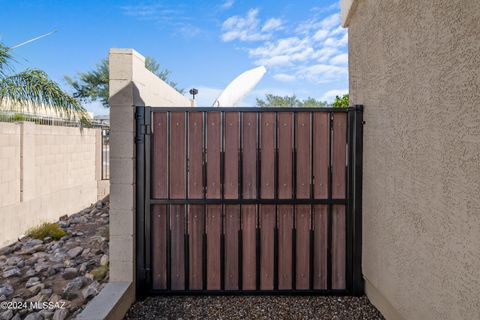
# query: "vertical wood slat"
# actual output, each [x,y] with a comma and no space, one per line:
[249,257]
[195,232]
[177,155]
[249,155]
[232,226]
[160,152]
[159,247]
[303,162]
[285,155]
[338,247]
[177,218]
[320,154]
[267,155]
[267,238]
[213,155]
[321,246]
[285,226]
[339,161]
[195,129]
[232,145]
[302,226]
[214,230]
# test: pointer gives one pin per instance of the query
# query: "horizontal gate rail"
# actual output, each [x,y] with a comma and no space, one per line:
[249,200]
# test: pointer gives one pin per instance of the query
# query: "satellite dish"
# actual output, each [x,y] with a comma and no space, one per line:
[239,87]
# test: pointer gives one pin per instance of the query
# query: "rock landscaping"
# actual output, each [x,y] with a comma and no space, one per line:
[64,273]
[254,307]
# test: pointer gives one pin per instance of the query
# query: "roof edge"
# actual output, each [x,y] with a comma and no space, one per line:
[347,9]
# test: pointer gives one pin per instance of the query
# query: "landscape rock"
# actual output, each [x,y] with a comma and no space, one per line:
[30,250]
[60,314]
[75,252]
[39,267]
[6,289]
[5,250]
[104,260]
[70,273]
[46,314]
[36,288]
[13,272]
[46,292]
[91,290]
[6,315]
[73,286]
[52,270]
[33,281]
[30,273]
[33,243]
[12,261]
[34,316]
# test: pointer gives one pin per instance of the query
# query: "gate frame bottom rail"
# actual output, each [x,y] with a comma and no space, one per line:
[353,205]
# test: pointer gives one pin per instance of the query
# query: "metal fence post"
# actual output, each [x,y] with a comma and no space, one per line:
[140,196]
[358,283]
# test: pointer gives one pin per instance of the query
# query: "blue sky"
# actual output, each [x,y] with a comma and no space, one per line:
[204,44]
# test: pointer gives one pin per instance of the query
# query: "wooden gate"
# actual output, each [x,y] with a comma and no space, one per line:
[250,200]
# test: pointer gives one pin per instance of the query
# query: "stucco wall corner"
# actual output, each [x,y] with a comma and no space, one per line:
[347,9]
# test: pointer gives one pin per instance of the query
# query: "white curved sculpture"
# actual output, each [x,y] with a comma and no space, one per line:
[239,87]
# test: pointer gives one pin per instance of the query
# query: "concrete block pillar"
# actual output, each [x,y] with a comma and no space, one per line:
[122,64]
[131,85]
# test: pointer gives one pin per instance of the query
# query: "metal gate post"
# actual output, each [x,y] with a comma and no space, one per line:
[139,200]
[358,283]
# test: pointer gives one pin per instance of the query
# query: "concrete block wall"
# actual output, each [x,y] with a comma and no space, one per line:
[45,172]
[9,164]
[131,84]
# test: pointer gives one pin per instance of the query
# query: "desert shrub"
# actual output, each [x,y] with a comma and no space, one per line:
[99,272]
[46,229]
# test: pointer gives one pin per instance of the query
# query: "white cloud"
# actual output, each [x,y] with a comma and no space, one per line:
[322,73]
[272,24]
[330,95]
[314,50]
[283,52]
[228,4]
[249,27]
[341,59]
[175,18]
[283,77]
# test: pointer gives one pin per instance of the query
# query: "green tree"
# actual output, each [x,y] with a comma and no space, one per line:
[313,103]
[341,102]
[288,101]
[93,85]
[32,88]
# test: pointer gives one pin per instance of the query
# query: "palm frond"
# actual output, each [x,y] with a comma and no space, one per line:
[5,57]
[33,87]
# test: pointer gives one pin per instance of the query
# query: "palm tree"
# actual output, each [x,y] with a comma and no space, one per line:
[34,89]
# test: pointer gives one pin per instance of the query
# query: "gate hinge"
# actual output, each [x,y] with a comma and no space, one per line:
[145,272]
[142,131]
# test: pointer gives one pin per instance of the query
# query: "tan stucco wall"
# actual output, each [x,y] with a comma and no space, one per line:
[45,172]
[131,84]
[415,65]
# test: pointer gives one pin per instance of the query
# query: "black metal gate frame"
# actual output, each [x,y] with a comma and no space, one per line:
[353,202]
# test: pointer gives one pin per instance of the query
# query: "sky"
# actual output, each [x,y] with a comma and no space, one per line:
[205,44]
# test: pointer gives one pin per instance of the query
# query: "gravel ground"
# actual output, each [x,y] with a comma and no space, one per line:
[254,307]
